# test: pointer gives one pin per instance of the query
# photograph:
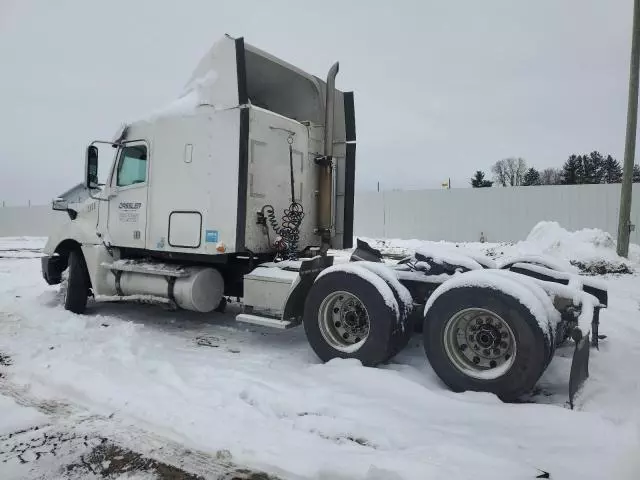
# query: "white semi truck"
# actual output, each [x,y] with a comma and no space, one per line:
[242,186]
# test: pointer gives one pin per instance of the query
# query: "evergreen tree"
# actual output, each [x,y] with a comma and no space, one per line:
[478,181]
[592,166]
[636,173]
[611,170]
[573,170]
[531,177]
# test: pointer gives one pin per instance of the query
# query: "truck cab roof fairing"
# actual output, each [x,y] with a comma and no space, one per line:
[269,82]
[282,88]
[216,75]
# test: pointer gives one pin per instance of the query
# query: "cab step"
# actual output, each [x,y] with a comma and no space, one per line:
[265,321]
[150,268]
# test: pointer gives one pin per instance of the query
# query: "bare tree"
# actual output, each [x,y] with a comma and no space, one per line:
[509,172]
[500,173]
[518,169]
[551,176]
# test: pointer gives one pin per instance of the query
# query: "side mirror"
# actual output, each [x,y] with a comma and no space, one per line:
[91,168]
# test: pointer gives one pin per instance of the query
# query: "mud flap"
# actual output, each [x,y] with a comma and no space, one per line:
[365,252]
[309,271]
[579,366]
[595,328]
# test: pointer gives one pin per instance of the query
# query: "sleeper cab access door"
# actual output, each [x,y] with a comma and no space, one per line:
[128,200]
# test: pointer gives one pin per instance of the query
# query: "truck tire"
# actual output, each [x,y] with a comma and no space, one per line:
[404,329]
[402,338]
[222,306]
[78,284]
[482,339]
[347,316]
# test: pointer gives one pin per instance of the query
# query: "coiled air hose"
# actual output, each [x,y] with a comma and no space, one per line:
[289,232]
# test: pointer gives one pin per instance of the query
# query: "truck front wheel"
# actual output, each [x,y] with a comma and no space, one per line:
[78,284]
[346,315]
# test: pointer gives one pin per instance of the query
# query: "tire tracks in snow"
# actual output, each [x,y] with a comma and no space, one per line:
[79,444]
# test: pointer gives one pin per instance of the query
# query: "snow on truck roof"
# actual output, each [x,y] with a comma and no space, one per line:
[209,61]
[233,72]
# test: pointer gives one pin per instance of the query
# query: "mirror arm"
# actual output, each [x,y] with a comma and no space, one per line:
[114,145]
[100,199]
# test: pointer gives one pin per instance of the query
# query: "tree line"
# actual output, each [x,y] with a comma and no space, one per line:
[592,168]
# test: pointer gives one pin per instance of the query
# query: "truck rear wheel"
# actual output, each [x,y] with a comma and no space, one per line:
[403,332]
[405,328]
[347,316]
[483,339]
[78,284]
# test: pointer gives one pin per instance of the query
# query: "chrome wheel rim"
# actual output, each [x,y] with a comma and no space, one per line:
[480,343]
[344,321]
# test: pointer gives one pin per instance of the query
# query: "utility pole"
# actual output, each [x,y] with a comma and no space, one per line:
[624,222]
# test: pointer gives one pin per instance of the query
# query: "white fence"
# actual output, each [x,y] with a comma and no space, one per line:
[35,221]
[501,214]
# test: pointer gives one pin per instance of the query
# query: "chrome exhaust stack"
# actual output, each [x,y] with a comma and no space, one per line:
[325,177]
[330,107]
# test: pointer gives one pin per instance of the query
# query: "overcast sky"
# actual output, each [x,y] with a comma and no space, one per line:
[442,88]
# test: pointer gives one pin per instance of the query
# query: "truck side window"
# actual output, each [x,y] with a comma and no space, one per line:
[132,167]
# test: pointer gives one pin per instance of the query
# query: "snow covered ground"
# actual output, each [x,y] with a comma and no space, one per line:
[208,395]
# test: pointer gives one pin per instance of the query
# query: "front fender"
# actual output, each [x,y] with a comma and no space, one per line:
[72,234]
[81,230]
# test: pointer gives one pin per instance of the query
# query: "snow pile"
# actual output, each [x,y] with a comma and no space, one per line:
[551,236]
[591,250]
[584,245]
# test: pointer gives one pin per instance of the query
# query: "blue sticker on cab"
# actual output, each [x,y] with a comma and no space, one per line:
[211,236]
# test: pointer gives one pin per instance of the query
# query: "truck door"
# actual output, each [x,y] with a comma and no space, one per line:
[127,222]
